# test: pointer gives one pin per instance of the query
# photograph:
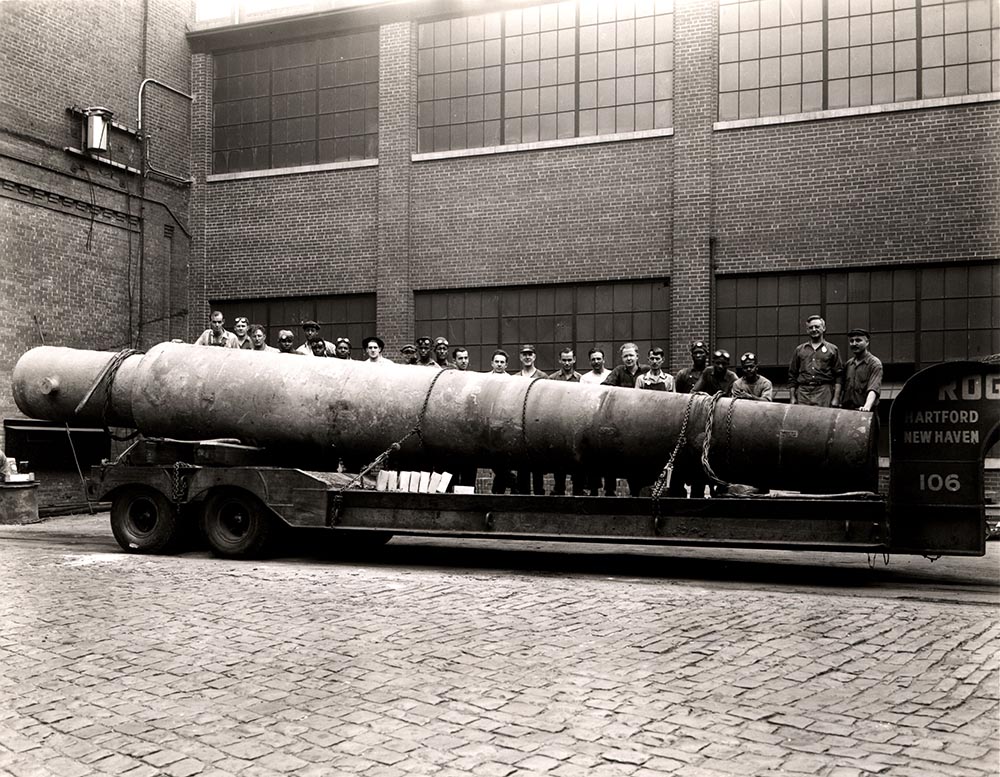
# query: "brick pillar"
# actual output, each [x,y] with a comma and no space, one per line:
[396,136]
[202,73]
[695,108]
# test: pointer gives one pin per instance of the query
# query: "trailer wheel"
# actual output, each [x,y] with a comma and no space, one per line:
[236,523]
[143,520]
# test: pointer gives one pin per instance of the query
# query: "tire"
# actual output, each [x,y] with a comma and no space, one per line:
[236,523]
[144,521]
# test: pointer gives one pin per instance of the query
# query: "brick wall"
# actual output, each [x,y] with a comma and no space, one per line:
[593,212]
[96,254]
[910,186]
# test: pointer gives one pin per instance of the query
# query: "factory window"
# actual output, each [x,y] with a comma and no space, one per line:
[583,316]
[793,56]
[293,104]
[917,316]
[340,315]
[559,70]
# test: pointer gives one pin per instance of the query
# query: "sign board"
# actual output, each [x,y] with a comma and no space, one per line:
[941,425]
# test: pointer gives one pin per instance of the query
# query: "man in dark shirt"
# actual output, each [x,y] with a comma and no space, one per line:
[863,375]
[816,372]
[689,376]
[719,378]
[624,374]
[425,356]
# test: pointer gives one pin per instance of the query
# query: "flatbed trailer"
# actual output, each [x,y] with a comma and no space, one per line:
[235,505]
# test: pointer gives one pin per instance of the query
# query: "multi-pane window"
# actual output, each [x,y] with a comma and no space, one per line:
[559,70]
[341,315]
[917,316]
[792,56]
[302,103]
[582,316]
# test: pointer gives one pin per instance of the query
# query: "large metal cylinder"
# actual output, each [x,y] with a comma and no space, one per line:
[315,405]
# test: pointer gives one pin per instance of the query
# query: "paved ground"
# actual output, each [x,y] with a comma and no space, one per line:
[451,659]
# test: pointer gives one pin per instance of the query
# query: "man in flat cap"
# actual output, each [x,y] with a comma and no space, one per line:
[409,353]
[863,374]
[441,353]
[816,372]
[425,353]
[311,329]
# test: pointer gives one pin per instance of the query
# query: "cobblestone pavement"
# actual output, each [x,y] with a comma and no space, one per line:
[141,665]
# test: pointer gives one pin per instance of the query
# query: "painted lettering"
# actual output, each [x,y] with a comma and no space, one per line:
[971,389]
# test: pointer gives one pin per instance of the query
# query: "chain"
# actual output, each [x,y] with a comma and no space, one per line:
[106,380]
[418,429]
[663,481]
[709,472]
[524,417]
[729,434]
[180,482]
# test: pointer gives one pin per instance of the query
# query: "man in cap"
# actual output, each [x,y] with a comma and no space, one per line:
[373,348]
[311,329]
[241,328]
[441,353]
[719,378]
[687,377]
[217,334]
[286,342]
[425,354]
[752,385]
[342,348]
[528,368]
[528,480]
[625,374]
[863,374]
[816,372]
[409,352]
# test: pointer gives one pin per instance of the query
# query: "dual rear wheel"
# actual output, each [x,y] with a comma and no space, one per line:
[235,522]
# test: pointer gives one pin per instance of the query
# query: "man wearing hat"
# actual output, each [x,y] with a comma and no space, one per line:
[342,348]
[719,378]
[373,348]
[528,368]
[409,352]
[863,374]
[425,356]
[816,372]
[752,385]
[311,328]
[441,353]
[286,342]
[687,377]
[530,479]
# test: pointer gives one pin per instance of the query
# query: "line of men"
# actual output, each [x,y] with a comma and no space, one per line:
[817,376]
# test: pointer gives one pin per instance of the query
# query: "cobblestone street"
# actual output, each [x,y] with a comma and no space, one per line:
[188,665]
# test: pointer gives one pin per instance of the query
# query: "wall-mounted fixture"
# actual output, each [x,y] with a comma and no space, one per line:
[96,127]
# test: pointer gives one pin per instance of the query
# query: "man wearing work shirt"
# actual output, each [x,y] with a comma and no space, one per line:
[624,374]
[816,372]
[863,376]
